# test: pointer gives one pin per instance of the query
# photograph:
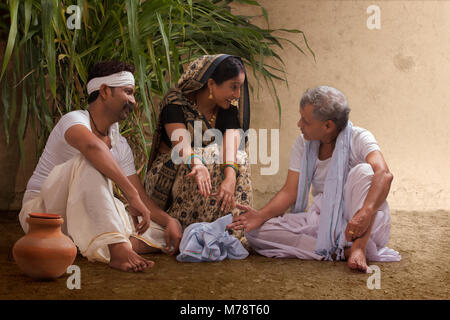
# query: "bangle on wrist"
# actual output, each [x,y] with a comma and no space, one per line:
[233,165]
[193,155]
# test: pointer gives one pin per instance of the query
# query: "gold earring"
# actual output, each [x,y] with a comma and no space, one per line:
[210,94]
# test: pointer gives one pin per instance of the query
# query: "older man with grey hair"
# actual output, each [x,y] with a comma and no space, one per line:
[349,217]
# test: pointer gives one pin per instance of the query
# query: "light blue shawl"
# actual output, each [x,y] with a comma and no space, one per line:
[331,238]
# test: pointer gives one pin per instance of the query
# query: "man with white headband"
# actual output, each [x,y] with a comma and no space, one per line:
[84,154]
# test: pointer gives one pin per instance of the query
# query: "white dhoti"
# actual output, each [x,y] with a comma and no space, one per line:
[93,217]
[294,235]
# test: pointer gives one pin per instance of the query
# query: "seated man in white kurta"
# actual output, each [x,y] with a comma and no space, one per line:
[83,154]
[350,181]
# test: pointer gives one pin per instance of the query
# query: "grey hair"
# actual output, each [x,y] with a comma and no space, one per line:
[328,103]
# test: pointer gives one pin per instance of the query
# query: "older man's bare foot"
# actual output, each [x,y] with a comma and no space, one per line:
[125,259]
[357,259]
[141,247]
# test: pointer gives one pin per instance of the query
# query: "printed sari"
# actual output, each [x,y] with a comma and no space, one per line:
[166,182]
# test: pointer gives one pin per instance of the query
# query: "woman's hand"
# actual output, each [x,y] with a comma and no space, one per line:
[201,174]
[225,194]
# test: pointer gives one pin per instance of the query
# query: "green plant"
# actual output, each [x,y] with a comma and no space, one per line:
[50,61]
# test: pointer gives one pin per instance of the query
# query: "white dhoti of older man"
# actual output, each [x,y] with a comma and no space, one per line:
[294,235]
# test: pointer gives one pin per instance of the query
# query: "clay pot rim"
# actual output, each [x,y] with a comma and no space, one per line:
[40,215]
[44,221]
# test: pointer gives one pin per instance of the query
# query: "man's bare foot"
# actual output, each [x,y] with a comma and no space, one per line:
[357,259]
[125,259]
[141,247]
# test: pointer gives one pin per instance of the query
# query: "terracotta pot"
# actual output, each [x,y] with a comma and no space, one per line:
[44,252]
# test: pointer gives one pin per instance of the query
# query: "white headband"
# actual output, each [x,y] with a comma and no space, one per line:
[120,79]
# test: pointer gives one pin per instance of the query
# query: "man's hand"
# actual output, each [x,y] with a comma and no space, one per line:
[173,236]
[358,225]
[136,209]
[248,221]
[378,191]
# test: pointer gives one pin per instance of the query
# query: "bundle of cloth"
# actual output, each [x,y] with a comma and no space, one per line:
[210,241]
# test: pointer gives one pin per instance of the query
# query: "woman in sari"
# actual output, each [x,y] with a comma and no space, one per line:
[212,178]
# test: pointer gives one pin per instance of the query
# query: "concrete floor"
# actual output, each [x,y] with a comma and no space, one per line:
[424,273]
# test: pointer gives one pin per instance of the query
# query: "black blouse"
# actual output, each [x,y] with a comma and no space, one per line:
[226,119]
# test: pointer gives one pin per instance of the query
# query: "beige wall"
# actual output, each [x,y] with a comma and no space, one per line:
[396,80]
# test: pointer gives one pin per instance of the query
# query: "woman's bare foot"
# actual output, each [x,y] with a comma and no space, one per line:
[141,247]
[125,259]
[357,259]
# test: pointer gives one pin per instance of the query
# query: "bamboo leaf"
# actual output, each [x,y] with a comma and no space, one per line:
[6,106]
[165,39]
[22,124]
[28,7]
[49,47]
[14,9]
[134,34]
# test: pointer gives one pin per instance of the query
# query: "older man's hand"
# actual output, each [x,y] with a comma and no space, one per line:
[249,220]
[358,225]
